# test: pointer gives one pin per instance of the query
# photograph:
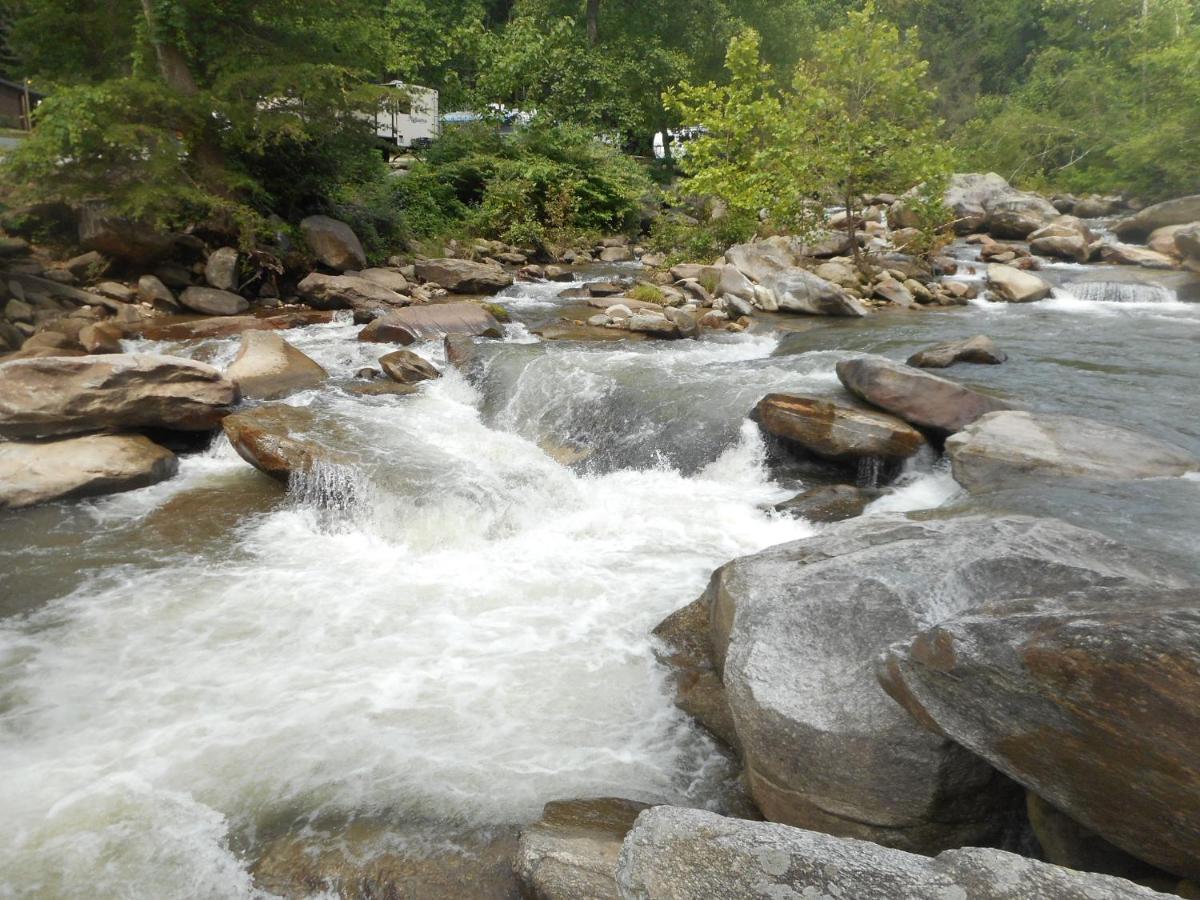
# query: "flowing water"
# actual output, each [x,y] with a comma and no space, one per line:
[451,628]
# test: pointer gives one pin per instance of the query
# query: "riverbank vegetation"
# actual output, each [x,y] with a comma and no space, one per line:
[176,112]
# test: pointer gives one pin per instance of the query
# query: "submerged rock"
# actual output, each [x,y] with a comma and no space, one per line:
[979,349]
[1091,700]
[63,395]
[420,323]
[837,431]
[267,367]
[33,472]
[929,402]
[1004,447]
[334,243]
[795,631]
[686,854]
[829,503]
[461,276]
[572,851]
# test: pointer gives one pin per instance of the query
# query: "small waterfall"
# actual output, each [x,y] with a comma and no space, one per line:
[332,489]
[870,471]
[1121,292]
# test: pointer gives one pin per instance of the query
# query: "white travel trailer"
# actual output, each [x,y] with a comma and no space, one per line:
[408,116]
[679,138]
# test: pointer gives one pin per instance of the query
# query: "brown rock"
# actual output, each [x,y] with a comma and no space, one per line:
[213,302]
[267,367]
[267,437]
[461,276]
[979,349]
[829,503]
[836,430]
[334,243]
[102,337]
[349,292]
[406,367]
[227,326]
[434,322]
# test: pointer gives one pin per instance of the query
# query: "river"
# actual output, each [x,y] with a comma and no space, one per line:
[454,630]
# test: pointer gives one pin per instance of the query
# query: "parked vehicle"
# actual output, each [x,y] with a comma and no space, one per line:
[408,117]
[679,138]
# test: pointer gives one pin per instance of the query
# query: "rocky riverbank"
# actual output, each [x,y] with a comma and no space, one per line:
[977,700]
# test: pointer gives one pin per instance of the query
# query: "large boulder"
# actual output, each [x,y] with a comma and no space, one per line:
[33,472]
[64,395]
[228,326]
[572,851]
[1019,215]
[267,367]
[929,402]
[271,438]
[1004,447]
[349,292]
[1187,246]
[980,202]
[434,322]
[838,431]
[1179,211]
[462,276]
[760,259]
[1014,285]
[118,238]
[221,269]
[686,854]
[800,291]
[392,279]
[1065,238]
[1091,700]
[980,349]
[213,302]
[795,633]
[1130,255]
[334,243]
[406,367]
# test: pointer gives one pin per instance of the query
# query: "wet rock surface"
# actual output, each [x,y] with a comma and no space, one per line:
[837,430]
[267,367]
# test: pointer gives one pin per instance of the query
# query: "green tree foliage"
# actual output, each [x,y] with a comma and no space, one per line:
[856,118]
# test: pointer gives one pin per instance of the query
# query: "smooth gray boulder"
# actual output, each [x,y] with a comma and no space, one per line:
[795,631]
[213,302]
[1091,700]
[33,472]
[334,243]
[392,279]
[926,401]
[988,202]
[688,854]
[1180,211]
[1003,447]
[759,259]
[980,349]
[67,394]
[1014,285]
[267,367]
[462,276]
[800,291]
[221,269]
[572,851]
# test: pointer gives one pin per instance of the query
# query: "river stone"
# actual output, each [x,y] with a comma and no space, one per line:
[926,401]
[267,367]
[1129,255]
[1004,447]
[392,279]
[800,291]
[795,633]
[971,196]
[63,395]
[461,276]
[1179,211]
[119,238]
[1162,240]
[893,291]
[433,322]
[836,430]
[371,861]
[151,290]
[686,854]
[1015,286]
[1019,215]
[654,325]
[221,269]
[270,439]
[1089,699]
[101,337]
[829,503]
[979,349]
[213,302]
[1187,246]
[334,243]
[759,259]
[406,367]
[349,292]
[228,326]
[572,851]
[33,472]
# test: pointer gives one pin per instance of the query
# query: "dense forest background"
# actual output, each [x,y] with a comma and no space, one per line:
[158,104]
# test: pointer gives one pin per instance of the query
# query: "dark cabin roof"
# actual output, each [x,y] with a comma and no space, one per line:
[17,86]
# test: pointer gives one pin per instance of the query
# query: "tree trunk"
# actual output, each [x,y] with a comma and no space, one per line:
[850,230]
[593,22]
[172,65]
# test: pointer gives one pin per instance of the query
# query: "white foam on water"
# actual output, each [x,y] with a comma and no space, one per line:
[918,487]
[461,637]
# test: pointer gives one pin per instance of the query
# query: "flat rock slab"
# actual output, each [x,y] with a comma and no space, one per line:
[796,629]
[1091,700]
[572,851]
[837,431]
[64,395]
[1015,286]
[928,402]
[687,854]
[461,276]
[433,322]
[227,326]
[980,349]
[33,472]
[349,292]
[267,367]
[1005,447]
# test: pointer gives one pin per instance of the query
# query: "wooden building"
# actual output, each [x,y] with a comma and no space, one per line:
[16,102]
